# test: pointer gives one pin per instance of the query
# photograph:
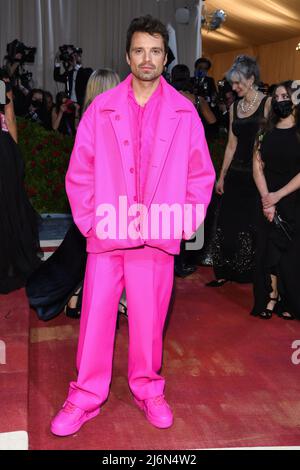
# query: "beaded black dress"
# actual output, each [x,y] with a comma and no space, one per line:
[234,246]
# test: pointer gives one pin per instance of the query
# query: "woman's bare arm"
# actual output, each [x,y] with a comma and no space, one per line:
[10,118]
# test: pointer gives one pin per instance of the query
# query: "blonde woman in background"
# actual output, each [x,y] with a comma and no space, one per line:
[57,283]
[100,81]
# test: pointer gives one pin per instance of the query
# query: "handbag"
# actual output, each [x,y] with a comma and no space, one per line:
[283,225]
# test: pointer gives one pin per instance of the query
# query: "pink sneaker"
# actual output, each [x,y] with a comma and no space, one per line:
[70,419]
[157,411]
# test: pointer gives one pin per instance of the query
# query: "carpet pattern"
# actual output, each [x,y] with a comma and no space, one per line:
[230,378]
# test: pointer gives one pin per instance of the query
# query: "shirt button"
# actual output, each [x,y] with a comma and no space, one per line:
[126,142]
[131,170]
[118,117]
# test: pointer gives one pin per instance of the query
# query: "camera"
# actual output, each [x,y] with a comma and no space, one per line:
[200,86]
[263,87]
[225,94]
[222,89]
[25,78]
[67,51]
[70,107]
[18,47]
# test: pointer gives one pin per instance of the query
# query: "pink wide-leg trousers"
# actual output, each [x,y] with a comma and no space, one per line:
[147,274]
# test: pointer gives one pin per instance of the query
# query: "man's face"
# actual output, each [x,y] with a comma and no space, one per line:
[78,58]
[202,70]
[72,59]
[203,66]
[147,56]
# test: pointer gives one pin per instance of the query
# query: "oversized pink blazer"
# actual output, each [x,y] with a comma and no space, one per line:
[102,166]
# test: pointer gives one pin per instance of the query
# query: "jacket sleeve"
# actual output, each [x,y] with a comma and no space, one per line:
[59,77]
[201,176]
[80,175]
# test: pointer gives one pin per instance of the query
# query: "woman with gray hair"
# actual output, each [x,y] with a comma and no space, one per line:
[233,248]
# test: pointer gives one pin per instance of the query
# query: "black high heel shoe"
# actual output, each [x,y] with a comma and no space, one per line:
[122,310]
[267,313]
[285,315]
[74,312]
[216,283]
[184,270]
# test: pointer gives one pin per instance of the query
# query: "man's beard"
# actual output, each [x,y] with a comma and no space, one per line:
[148,76]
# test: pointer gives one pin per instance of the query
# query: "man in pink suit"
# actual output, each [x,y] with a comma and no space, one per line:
[140,151]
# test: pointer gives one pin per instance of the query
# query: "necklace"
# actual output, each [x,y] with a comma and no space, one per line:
[250,106]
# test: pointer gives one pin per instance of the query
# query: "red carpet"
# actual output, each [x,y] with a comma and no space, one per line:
[14,346]
[230,378]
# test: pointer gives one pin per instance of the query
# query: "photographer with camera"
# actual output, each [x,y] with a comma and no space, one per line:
[205,92]
[226,97]
[75,77]
[17,55]
[37,108]
[203,84]
[181,80]
[65,115]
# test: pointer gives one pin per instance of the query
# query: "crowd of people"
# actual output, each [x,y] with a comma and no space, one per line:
[257,226]
[63,112]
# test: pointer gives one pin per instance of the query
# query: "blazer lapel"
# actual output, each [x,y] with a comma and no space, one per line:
[168,121]
[166,127]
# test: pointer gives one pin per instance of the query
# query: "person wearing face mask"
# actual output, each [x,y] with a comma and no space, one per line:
[233,244]
[205,92]
[205,86]
[276,169]
[37,109]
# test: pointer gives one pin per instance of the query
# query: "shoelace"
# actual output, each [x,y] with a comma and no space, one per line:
[69,407]
[158,401]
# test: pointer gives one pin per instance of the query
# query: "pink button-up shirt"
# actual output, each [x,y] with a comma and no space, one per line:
[143,121]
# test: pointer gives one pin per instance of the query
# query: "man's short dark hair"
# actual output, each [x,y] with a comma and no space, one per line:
[147,24]
[203,60]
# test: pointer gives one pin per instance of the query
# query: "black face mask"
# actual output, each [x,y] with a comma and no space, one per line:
[36,104]
[282,109]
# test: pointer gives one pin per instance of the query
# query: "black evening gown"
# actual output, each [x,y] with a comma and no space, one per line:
[234,246]
[50,287]
[19,239]
[276,253]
